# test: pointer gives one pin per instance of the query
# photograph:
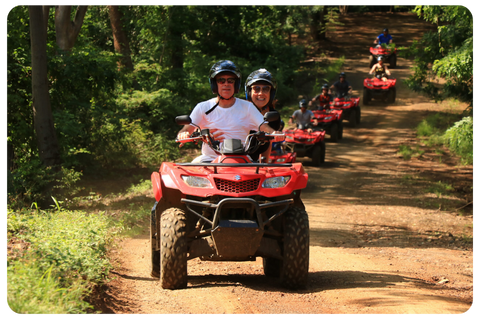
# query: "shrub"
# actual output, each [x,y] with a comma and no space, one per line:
[459,138]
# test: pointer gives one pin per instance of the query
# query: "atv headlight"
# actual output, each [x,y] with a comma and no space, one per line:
[288,137]
[276,182]
[310,139]
[197,181]
[327,118]
[280,160]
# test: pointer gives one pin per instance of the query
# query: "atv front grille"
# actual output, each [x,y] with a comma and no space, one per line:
[237,187]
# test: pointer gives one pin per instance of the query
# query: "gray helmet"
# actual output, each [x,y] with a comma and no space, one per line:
[220,67]
[325,86]
[302,103]
[380,58]
[257,76]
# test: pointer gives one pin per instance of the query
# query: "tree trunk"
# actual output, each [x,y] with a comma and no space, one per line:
[175,31]
[42,112]
[67,30]
[343,9]
[323,23]
[120,40]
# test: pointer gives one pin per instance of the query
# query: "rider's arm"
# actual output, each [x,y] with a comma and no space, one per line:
[387,71]
[372,69]
[266,154]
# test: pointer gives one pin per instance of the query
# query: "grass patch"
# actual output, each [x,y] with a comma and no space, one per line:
[54,258]
[407,152]
[440,189]
[450,130]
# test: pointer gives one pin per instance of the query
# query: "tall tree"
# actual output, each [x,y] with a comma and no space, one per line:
[42,111]
[120,40]
[67,30]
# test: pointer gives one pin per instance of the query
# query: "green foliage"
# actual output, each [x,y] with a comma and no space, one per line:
[408,152]
[446,54]
[65,254]
[31,291]
[459,138]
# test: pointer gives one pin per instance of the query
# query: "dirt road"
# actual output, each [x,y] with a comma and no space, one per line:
[381,240]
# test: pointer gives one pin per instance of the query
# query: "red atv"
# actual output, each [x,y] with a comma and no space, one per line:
[278,155]
[350,105]
[379,88]
[330,121]
[229,210]
[303,143]
[388,52]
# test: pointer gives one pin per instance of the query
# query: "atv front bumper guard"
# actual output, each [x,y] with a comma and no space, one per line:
[218,208]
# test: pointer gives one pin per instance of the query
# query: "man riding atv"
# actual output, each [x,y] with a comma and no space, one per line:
[322,101]
[341,87]
[383,38]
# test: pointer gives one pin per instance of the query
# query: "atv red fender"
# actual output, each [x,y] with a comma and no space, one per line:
[375,83]
[233,179]
[283,157]
[157,186]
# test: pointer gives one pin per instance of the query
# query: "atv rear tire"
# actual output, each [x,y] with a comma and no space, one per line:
[334,132]
[372,61]
[155,254]
[358,115]
[366,96]
[318,154]
[173,250]
[352,118]
[393,61]
[296,249]
[340,130]
[272,267]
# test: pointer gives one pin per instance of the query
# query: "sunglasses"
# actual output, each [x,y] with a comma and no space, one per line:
[223,80]
[264,89]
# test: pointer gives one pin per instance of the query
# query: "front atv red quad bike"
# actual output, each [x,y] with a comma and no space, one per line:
[229,210]
[350,105]
[379,88]
[279,155]
[388,52]
[304,143]
[330,121]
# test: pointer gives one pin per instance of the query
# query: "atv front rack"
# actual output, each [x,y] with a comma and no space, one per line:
[215,165]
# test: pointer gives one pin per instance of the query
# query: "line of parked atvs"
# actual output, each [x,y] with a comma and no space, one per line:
[302,142]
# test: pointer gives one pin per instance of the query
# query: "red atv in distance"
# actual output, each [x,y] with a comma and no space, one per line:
[388,52]
[304,143]
[379,88]
[350,105]
[330,121]
[229,210]
[279,155]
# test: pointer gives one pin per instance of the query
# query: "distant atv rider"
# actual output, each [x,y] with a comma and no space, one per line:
[383,38]
[322,101]
[302,117]
[341,87]
[380,70]
[226,116]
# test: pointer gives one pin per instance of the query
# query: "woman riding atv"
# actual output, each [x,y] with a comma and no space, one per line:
[380,70]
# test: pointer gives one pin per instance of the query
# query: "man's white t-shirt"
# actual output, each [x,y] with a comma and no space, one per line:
[235,122]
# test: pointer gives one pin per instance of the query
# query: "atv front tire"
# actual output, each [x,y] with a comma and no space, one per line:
[393,61]
[296,249]
[391,95]
[352,118]
[334,132]
[173,250]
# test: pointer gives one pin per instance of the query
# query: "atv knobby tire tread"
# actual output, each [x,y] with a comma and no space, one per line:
[173,250]
[334,132]
[295,249]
